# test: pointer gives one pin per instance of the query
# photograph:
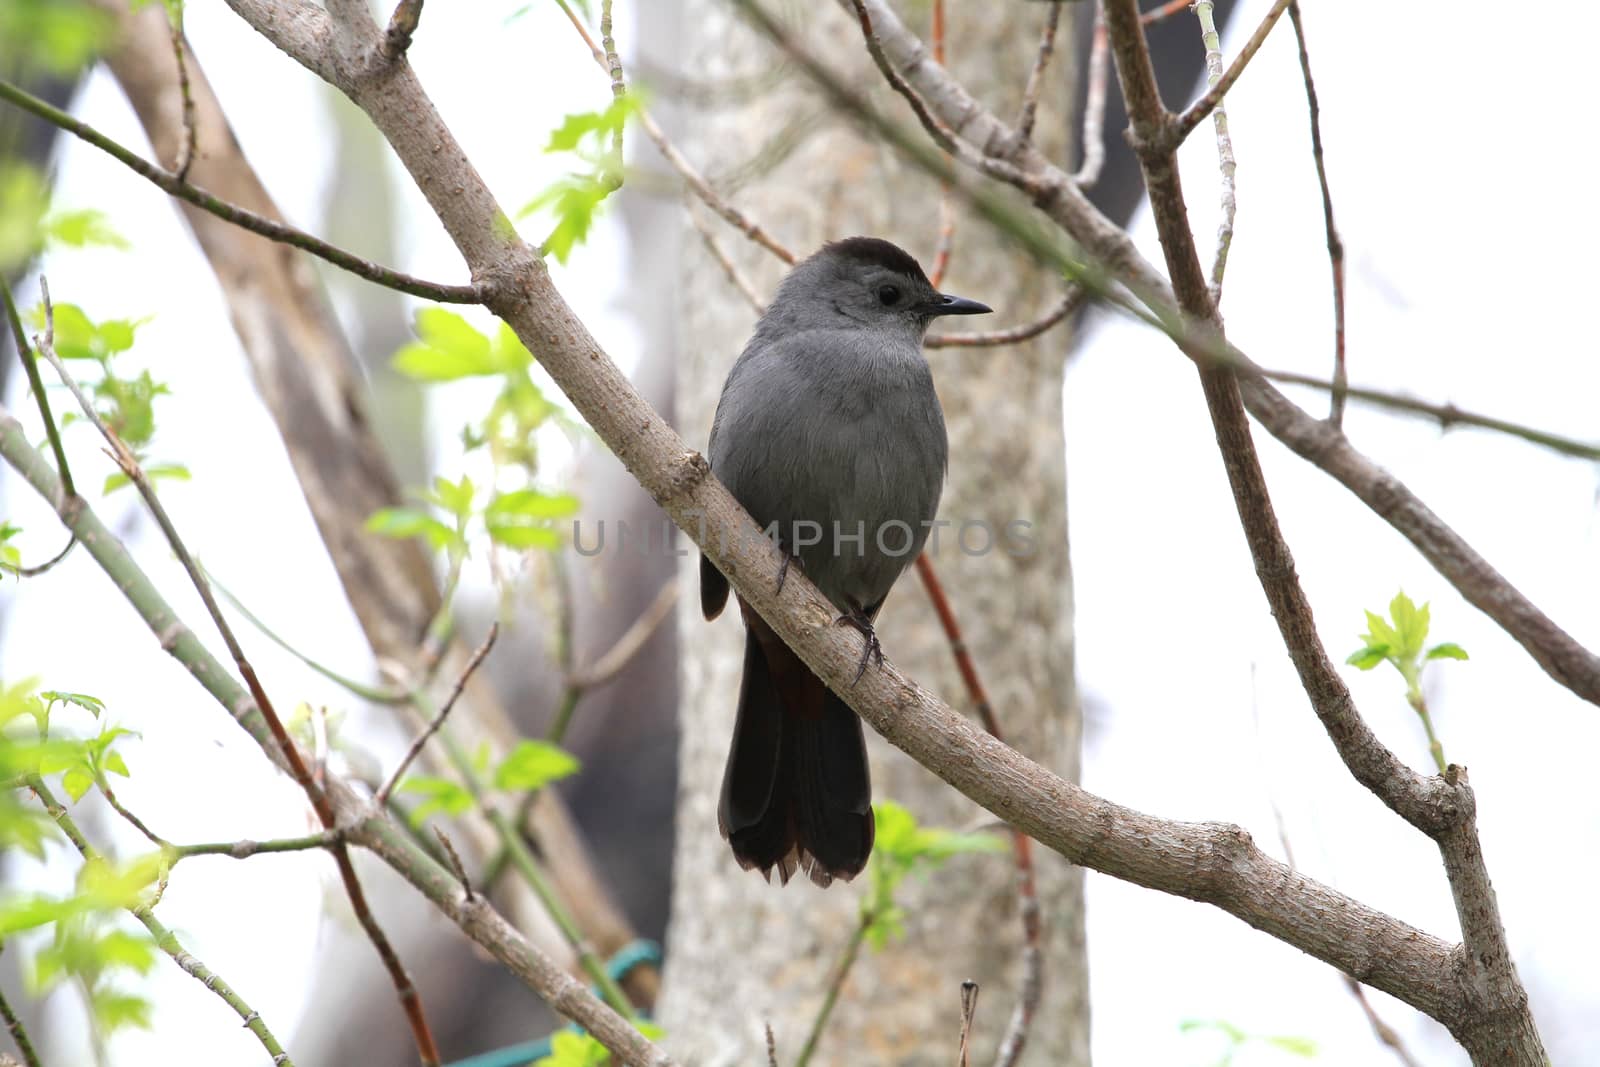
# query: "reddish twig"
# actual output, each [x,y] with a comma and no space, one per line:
[1094,104]
[1030,93]
[261,705]
[1016,1035]
[381,798]
[1341,381]
[969,1010]
[1165,11]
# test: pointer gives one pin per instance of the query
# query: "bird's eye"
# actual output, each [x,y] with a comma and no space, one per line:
[888,295]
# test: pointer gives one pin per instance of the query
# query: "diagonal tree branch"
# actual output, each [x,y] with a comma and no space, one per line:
[1208,862]
[1106,245]
[1498,1027]
[360,822]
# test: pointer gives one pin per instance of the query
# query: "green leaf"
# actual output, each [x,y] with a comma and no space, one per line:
[1367,658]
[93,705]
[1446,650]
[122,948]
[440,794]
[1299,1046]
[509,353]
[77,781]
[1380,632]
[454,497]
[410,522]
[575,202]
[114,763]
[24,198]
[571,1049]
[534,765]
[522,536]
[82,228]
[56,35]
[114,1010]
[1410,623]
[175,472]
[448,347]
[532,504]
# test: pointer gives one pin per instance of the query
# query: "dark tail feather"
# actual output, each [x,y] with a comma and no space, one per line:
[796,791]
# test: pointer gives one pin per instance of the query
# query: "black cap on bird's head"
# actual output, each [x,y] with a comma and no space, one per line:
[887,256]
[864,281]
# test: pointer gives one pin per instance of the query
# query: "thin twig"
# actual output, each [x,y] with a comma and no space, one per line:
[1341,382]
[245,848]
[261,704]
[942,135]
[746,288]
[1165,11]
[164,938]
[30,366]
[634,638]
[1183,125]
[969,1011]
[41,568]
[696,181]
[1443,808]
[1094,104]
[241,217]
[1032,984]
[1030,93]
[944,244]
[1103,258]
[132,819]
[396,847]
[381,798]
[772,1044]
[847,960]
[186,143]
[456,865]
[1225,160]
[1070,301]
[19,1033]
[402,26]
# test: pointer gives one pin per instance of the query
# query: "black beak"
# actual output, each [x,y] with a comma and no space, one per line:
[959,305]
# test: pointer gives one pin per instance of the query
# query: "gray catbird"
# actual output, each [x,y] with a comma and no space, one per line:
[829,433]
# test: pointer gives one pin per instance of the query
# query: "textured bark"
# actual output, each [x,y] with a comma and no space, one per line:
[742,951]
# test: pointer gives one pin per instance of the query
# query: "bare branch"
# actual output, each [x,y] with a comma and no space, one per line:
[1183,125]
[381,798]
[746,288]
[1497,1026]
[1335,245]
[1030,92]
[249,220]
[186,146]
[30,366]
[259,704]
[969,1011]
[633,639]
[1108,248]
[164,938]
[402,25]
[1094,104]
[1225,161]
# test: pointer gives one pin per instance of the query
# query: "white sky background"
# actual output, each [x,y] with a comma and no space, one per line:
[1464,198]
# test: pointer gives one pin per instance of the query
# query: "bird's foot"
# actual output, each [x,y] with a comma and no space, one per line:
[783,569]
[870,648]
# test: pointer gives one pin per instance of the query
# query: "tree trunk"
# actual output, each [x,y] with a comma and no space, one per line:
[742,952]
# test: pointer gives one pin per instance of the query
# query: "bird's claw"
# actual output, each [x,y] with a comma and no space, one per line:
[783,569]
[870,648]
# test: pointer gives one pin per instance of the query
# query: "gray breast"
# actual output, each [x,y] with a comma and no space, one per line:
[839,439]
